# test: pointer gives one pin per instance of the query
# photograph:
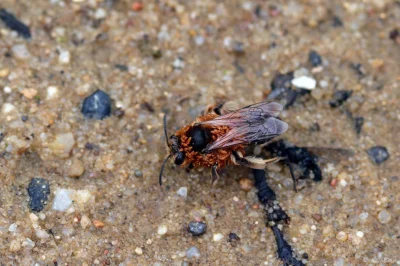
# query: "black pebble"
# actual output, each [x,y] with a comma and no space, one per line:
[358,123]
[15,24]
[197,228]
[394,34]
[97,105]
[337,22]
[378,154]
[233,237]
[339,97]
[38,190]
[314,58]
[121,67]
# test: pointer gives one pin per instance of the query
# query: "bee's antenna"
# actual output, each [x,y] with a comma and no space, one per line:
[165,129]
[162,168]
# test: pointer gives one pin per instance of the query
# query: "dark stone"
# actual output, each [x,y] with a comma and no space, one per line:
[358,123]
[121,67]
[359,69]
[282,90]
[38,190]
[394,34]
[97,105]
[119,112]
[315,127]
[24,118]
[282,81]
[233,237]
[15,24]
[339,97]
[238,48]
[197,228]
[337,22]
[314,58]
[378,154]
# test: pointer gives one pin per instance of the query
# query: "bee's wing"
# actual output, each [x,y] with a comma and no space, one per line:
[255,123]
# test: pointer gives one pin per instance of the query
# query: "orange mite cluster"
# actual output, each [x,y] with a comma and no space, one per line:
[219,157]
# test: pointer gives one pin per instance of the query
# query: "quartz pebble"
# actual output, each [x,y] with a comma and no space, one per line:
[193,252]
[85,221]
[384,216]
[20,51]
[182,192]
[29,93]
[218,237]
[62,200]
[62,145]
[304,82]
[76,169]
[15,246]
[162,230]
[64,57]
[52,93]
[138,251]
[40,233]
[341,236]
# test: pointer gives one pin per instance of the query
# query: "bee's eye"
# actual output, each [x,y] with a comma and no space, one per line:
[180,157]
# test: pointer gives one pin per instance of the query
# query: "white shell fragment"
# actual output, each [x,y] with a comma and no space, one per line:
[304,82]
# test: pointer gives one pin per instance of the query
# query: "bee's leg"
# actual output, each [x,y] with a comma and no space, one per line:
[292,174]
[190,167]
[214,174]
[253,162]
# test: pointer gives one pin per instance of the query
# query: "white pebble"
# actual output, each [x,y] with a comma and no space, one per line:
[138,251]
[323,84]
[193,252]
[199,40]
[178,63]
[363,216]
[100,13]
[28,243]
[62,200]
[12,228]
[85,221]
[7,89]
[52,92]
[20,51]
[33,217]
[64,57]
[360,234]
[162,229]
[313,227]
[42,234]
[304,82]
[218,237]
[182,191]
[7,108]
[384,216]
[343,183]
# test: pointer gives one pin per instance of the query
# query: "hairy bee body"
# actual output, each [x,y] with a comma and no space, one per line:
[194,157]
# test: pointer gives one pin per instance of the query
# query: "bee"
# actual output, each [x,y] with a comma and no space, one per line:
[219,137]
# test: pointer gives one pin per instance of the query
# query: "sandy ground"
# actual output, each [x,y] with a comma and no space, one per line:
[178,57]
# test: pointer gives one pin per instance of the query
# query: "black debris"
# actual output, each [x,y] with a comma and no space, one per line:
[275,216]
[378,154]
[121,67]
[24,118]
[337,22]
[315,127]
[38,190]
[314,58]
[297,158]
[15,24]
[97,105]
[394,34]
[233,237]
[339,97]
[359,69]
[238,48]
[358,123]
[119,112]
[197,228]
[138,173]
[283,91]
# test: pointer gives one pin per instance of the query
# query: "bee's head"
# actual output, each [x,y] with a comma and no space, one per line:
[174,148]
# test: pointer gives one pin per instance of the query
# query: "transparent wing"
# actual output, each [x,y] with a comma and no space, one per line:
[255,123]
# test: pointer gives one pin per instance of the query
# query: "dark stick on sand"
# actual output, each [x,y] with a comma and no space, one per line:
[275,216]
